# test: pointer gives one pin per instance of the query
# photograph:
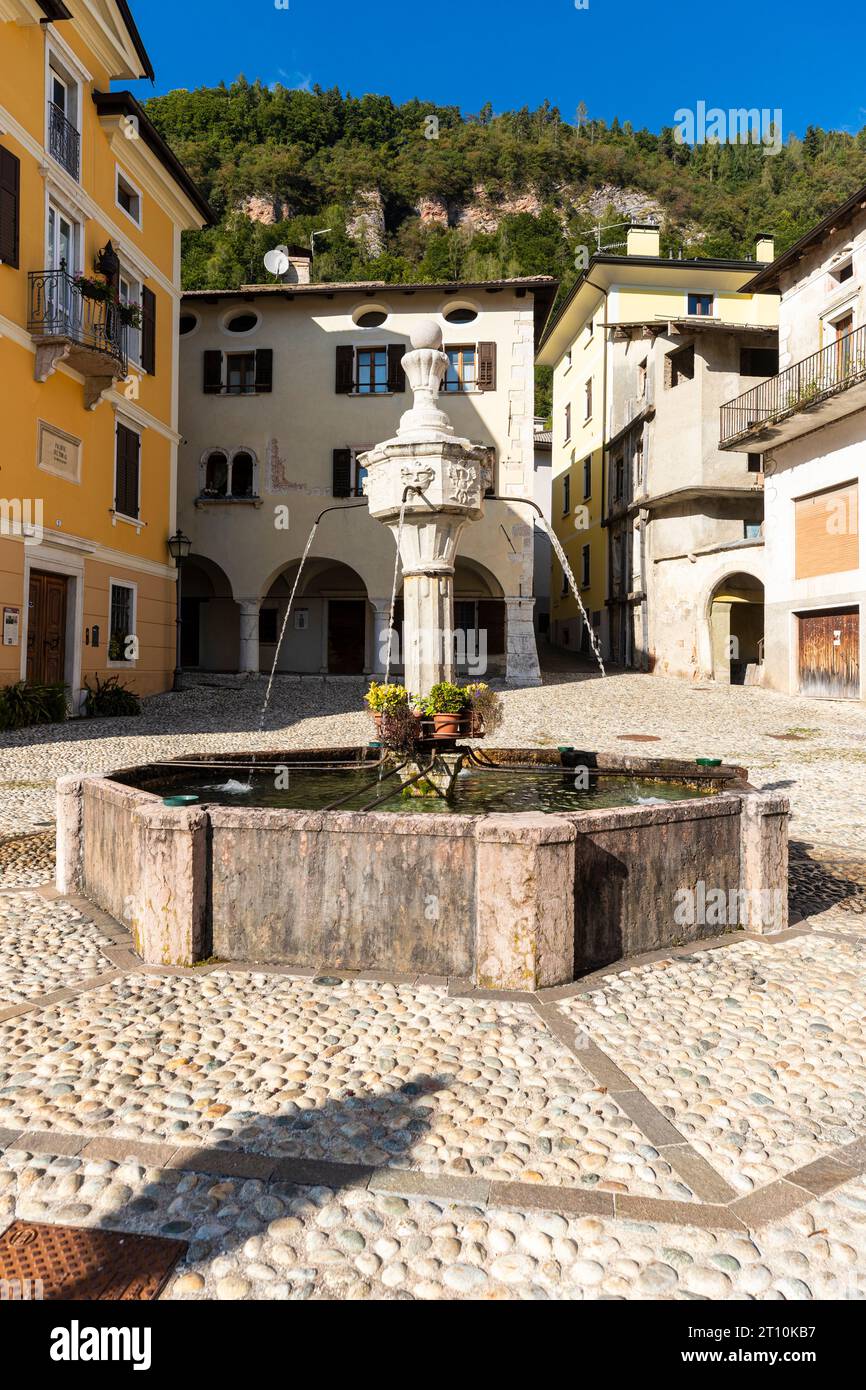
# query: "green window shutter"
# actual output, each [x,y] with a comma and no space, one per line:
[345,383]
[148,330]
[264,369]
[342,473]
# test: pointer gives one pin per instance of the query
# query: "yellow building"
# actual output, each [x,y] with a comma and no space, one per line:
[615,296]
[92,206]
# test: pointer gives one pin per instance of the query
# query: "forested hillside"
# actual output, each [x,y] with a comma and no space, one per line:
[493,195]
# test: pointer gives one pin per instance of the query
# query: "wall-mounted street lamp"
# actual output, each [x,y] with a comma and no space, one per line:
[179,547]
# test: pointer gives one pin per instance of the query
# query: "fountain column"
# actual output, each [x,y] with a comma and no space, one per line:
[437,481]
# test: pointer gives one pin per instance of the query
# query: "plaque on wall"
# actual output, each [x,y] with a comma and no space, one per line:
[59,453]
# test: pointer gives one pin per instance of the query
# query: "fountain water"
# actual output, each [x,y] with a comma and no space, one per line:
[572,582]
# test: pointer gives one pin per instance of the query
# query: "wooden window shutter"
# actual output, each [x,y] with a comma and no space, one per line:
[345,370]
[487,366]
[826,529]
[342,472]
[264,369]
[396,375]
[148,330]
[213,371]
[10,201]
[126,471]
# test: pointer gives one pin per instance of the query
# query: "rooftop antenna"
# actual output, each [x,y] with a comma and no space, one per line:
[324,232]
[277,261]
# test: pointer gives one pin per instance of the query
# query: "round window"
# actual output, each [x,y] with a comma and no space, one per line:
[242,323]
[187,323]
[374,318]
[463,315]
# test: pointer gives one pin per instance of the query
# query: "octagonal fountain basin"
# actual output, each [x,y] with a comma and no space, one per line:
[541,866]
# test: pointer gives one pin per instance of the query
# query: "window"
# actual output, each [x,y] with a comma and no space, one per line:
[680,366]
[240,373]
[461,373]
[568,360]
[844,272]
[372,379]
[187,323]
[826,532]
[566,495]
[462,314]
[588,399]
[242,323]
[127,467]
[64,140]
[587,477]
[129,293]
[348,473]
[568,421]
[641,378]
[122,641]
[759,361]
[700,305]
[752,530]
[584,567]
[128,198]
[590,328]
[756,463]
[374,318]
[564,586]
[229,476]
[268,632]
[618,479]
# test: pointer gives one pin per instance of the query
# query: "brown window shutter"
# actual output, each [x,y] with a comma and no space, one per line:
[10,201]
[148,330]
[213,371]
[827,532]
[342,472]
[264,369]
[487,366]
[396,375]
[345,370]
[126,471]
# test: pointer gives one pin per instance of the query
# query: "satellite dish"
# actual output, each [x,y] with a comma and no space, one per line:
[277,261]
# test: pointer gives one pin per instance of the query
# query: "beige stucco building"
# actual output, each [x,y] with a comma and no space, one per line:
[808,421]
[283,389]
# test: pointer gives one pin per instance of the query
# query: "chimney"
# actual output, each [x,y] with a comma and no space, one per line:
[643,239]
[300,260]
[765,248]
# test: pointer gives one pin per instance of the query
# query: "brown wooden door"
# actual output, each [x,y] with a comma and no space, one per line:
[46,629]
[346,636]
[844,327]
[830,654]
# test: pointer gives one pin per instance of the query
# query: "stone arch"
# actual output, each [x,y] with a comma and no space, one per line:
[210,617]
[330,629]
[734,626]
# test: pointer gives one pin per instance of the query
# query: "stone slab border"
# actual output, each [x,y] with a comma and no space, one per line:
[717,1206]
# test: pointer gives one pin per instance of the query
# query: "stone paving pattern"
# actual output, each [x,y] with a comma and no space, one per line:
[689,1125]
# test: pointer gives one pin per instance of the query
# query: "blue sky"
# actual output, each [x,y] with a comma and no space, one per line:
[640,61]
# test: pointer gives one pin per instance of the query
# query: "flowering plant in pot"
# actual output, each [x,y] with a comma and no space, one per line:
[485,709]
[99,290]
[383,699]
[446,705]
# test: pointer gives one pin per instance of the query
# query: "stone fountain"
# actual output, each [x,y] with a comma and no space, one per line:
[425,484]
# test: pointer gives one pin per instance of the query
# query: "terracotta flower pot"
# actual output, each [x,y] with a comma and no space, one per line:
[448,725]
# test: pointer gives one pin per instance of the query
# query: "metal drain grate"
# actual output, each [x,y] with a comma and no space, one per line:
[73,1262]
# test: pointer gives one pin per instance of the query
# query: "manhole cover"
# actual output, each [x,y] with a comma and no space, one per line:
[639,738]
[72,1262]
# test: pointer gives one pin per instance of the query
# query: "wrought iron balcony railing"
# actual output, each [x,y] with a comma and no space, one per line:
[64,141]
[60,309]
[798,387]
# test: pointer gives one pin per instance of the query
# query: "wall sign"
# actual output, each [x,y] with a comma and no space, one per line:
[59,453]
[11,627]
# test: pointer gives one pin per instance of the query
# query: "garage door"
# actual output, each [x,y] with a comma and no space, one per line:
[829,654]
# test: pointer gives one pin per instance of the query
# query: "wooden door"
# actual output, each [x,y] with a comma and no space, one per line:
[346,636]
[843,327]
[829,655]
[46,629]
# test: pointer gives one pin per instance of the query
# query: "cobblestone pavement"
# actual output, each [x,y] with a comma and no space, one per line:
[691,1125]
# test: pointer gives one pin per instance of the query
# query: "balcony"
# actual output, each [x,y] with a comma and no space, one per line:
[811,393]
[70,326]
[64,141]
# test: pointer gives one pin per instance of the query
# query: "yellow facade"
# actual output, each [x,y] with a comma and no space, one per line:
[639,287]
[83,177]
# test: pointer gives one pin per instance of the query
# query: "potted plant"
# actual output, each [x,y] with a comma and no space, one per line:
[485,709]
[383,699]
[446,705]
[98,290]
[129,314]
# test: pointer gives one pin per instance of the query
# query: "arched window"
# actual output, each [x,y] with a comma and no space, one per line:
[216,475]
[242,474]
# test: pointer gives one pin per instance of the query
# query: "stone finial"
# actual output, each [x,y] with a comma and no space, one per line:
[427,334]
